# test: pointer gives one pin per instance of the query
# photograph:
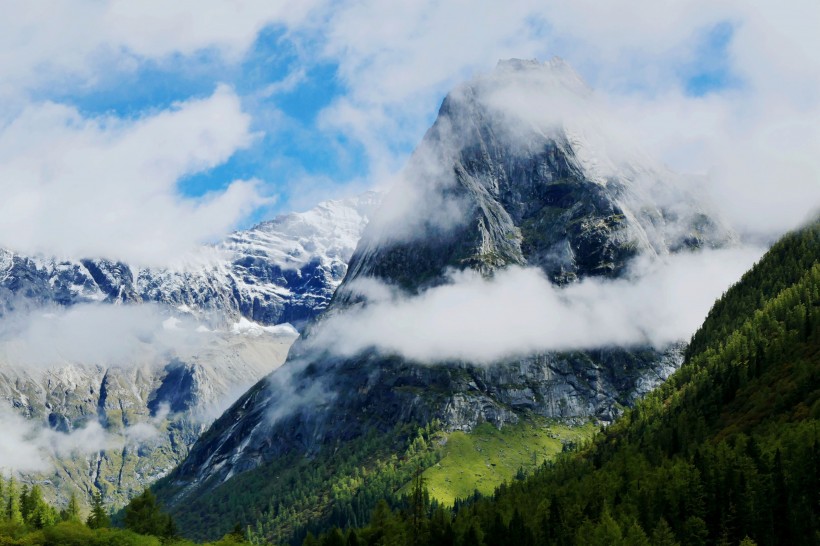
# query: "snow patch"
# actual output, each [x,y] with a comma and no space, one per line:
[249,328]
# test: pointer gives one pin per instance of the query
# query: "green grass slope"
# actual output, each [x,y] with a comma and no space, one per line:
[281,501]
[486,457]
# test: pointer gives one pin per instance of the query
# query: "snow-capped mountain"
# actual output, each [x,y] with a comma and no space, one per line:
[109,398]
[283,270]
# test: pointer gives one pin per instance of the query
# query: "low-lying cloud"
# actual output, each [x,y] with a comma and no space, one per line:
[519,311]
[31,446]
[76,345]
[94,334]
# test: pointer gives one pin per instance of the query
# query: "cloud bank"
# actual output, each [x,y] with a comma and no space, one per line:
[519,311]
[752,126]
[755,133]
[96,334]
[73,347]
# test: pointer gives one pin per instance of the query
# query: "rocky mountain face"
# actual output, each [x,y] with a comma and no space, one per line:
[496,182]
[117,429]
[117,426]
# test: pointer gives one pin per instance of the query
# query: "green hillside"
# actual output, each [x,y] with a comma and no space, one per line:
[288,497]
[486,457]
[725,452]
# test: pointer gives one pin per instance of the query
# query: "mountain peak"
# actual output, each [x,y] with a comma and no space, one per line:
[484,191]
[554,65]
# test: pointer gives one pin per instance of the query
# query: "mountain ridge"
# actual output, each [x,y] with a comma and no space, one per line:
[281,270]
[474,198]
[111,415]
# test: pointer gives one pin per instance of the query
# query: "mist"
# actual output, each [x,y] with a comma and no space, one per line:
[519,311]
[31,446]
[94,334]
[78,344]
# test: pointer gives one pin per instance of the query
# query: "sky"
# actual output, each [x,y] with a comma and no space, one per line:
[137,130]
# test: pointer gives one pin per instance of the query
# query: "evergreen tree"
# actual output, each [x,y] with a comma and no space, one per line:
[635,536]
[418,508]
[72,511]
[13,513]
[663,535]
[98,518]
[352,538]
[143,515]
[38,513]
[25,505]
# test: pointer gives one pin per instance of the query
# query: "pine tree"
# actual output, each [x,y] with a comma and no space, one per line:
[635,536]
[13,513]
[143,515]
[25,506]
[663,535]
[98,517]
[418,506]
[38,513]
[72,511]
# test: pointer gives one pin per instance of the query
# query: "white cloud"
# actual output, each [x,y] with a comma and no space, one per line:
[18,451]
[73,347]
[758,141]
[520,312]
[107,187]
[29,446]
[46,42]
[135,335]
[89,334]
[32,446]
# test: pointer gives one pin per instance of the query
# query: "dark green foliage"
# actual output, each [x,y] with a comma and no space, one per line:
[143,516]
[283,500]
[98,518]
[39,527]
[792,257]
[725,452]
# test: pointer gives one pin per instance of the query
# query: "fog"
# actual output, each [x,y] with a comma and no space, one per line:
[519,311]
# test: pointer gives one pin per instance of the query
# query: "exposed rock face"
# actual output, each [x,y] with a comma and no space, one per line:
[118,427]
[486,189]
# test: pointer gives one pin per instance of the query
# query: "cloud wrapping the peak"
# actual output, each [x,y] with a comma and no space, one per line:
[519,312]
[755,138]
[754,134]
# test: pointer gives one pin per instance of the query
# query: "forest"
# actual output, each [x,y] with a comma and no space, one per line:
[27,520]
[725,452]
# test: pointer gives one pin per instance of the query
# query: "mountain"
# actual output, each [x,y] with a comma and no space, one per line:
[283,270]
[114,415]
[499,181]
[725,452]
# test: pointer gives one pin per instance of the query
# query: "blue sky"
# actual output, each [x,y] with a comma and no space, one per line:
[215,114]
